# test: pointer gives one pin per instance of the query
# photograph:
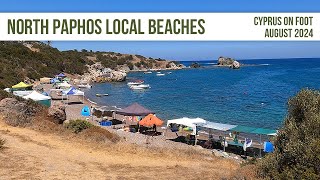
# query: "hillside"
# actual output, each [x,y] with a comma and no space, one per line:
[34,155]
[32,60]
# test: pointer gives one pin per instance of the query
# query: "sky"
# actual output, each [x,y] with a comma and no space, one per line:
[191,50]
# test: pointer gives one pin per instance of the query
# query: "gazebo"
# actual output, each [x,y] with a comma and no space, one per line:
[150,121]
[133,112]
[22,86]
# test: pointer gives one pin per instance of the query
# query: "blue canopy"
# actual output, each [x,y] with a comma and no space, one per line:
[71,91]
[61,75]
[85,111]
[54,80]
[45,93]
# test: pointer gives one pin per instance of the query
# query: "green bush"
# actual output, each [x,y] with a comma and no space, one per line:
[78,125]
[297,145]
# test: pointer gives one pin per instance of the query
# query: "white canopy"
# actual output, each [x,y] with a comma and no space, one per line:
[73,92]
[37,96]
[64,84]
[21,93]
[190,122]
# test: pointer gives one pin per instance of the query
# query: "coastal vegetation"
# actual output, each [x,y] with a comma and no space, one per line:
[297,145]
[29,61]
[78,125]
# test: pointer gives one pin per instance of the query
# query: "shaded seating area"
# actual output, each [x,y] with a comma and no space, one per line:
[40,98]
[150,122]
[73,92]
[132,114]
[239,138]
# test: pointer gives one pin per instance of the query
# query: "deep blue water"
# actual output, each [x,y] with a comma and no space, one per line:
[253,96]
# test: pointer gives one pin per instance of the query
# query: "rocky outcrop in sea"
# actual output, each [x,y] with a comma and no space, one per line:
[229,62]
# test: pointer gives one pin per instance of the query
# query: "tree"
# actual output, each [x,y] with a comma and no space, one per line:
[297,145]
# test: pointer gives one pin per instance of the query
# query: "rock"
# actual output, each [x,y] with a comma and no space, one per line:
[235,65]
[124,68]
[98,73]
[225,61]
[17,113]
[118,76]
[57,113]
[195,65]
[181,66]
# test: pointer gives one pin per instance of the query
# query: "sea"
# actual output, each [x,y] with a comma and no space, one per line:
[255,95]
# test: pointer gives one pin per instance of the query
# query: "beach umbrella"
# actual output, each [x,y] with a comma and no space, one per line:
[151,120]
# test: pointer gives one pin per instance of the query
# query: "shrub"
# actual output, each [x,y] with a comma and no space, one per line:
[78,125]
[297,145]
[98,134]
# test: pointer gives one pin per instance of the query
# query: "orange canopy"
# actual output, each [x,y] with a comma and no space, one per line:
[150,120]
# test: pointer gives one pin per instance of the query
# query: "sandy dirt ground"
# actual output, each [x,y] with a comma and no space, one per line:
[29,154]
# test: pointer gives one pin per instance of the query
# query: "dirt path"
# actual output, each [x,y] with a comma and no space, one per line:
[31,154]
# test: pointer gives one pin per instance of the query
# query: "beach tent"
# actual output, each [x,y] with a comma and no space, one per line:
[64,85]
[54,80]
[151,120]
[45,80]
[135,110]
[73,92]
[22,85]
[7,89]
[66,79]
[189,122]
[22,93]
[85,111]
[42,99]
[61,75]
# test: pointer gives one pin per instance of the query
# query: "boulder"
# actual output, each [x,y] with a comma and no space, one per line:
[195,65]
[17,113]
[225,61]
[118,76]
[235,65]
[57,113]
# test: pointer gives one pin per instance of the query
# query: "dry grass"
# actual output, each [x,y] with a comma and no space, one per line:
[2,142]
[89,155]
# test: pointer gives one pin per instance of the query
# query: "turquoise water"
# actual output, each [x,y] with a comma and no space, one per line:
[253,96]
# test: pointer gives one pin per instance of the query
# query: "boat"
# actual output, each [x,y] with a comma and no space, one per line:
[160,74]
[169,72]
[138,82]
[85,86]
[148,72]
[99,95]
[140,86]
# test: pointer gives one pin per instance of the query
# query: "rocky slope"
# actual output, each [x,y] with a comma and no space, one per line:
[29,61]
